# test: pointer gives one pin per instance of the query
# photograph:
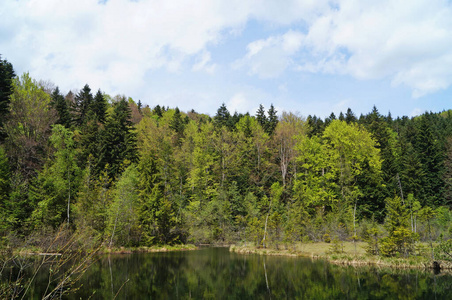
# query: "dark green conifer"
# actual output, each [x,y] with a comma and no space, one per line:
[261,117]
[272,120]
[222,118]
[350,116]
[62,108]
[6,89]
[82,105]
[99,107]
[118,142]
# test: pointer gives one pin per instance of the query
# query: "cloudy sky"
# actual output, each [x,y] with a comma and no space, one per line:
[310,56]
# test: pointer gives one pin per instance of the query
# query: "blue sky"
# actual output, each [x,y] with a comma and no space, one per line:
[309,56]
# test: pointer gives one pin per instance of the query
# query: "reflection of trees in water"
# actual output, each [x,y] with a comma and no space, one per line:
[216,273]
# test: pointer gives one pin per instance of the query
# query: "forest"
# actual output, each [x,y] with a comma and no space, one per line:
[128,175]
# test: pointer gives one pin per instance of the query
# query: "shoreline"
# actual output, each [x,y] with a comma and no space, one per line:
[152,249]
[347,258]
[106,250]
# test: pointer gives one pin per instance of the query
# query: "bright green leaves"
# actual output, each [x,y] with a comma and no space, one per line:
[28,125]
[122,223]
[57,184]
[329,167]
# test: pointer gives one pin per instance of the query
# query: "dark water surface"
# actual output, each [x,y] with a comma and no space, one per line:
[215,273]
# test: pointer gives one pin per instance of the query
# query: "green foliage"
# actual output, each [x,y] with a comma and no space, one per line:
[118,142]
[82,105]
[62,108]
[336,246]
[99,107]
[272,120]
[373,240]
[5,177]
[400,240]
[28,126]
[122,218]
[58,183]
[132,176]
[6,88]
[443,250]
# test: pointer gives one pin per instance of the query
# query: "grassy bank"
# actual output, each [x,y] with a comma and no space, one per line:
[349,255]
[101,250]
[165,248]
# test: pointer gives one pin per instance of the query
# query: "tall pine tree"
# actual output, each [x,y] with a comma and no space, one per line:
[118,140]
[62,108]
[82,105]
[6,89]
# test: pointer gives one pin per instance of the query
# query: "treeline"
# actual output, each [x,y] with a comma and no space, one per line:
[128,175]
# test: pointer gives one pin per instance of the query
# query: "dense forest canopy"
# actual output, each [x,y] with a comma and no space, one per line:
[131,175]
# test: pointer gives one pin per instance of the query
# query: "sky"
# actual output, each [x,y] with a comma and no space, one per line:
[312,57]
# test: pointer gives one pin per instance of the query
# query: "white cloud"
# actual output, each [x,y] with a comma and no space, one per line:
[408,42]
[269,58]
[238,103]
[117,44]
[411,43]
[204,63]
[416,112]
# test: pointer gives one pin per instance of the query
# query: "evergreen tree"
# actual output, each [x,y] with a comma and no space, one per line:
[62,108]
[223,117]
[272,120]
[261,117]
[350,116]
[177,125]
[99,107]
[331,118]
[56,186]
[176,122]
[158,111]
[6,89]
[431,159]
[400,239]
[90,143]
[316,126]
[411,173]
[82,105]
[118,140]
[234,120]
[448,174]
[386,140]
[5,178]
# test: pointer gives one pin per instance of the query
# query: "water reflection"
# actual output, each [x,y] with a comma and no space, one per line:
[215,273]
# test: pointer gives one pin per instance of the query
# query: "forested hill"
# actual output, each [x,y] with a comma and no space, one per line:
[130,175]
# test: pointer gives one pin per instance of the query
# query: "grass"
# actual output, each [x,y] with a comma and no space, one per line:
[164,248]
[350,255]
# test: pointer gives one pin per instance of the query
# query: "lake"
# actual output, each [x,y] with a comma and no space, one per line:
[215,273]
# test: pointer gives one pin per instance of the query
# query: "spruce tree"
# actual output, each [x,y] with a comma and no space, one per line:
[350,116]
[62,108]
[158,111]
[6,89]
[261,117]
[99,107]
[82,105]
[272,120]
[177,124]
[316,126]
[431,158]
[223,117]
[5,178]
[118,140]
